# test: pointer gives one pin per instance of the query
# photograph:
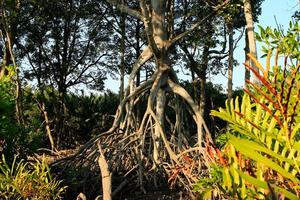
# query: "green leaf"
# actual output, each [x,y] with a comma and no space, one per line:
[243,130]
[297,146]
[295,130]
[264,185]
[250,153]
[259,147]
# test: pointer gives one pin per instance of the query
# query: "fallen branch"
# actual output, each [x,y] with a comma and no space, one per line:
[105,174]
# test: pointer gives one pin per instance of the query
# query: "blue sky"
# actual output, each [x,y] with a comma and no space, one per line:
[282,10]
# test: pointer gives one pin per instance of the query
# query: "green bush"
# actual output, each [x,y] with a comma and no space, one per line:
[88,115]
[18,139]
[24,180]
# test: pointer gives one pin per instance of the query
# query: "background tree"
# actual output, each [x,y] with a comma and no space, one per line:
[10,11]
[63,46]
[199,48]
[250,33]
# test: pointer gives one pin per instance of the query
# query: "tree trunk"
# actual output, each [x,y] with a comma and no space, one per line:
[47,126]
[160,38]
[250,33]
[158,24]
[5,57]
[138,74]
[18,93]
[247,60]
[160,114]
[122,64]
[41,101]
[60,116]
[230,61]
[19,106]
[140,148]
[204,64]
[42,107]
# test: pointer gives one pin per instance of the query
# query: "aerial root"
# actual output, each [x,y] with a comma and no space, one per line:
[129,149]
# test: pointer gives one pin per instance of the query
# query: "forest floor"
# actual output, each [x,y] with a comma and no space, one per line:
[51,157]
[156,196]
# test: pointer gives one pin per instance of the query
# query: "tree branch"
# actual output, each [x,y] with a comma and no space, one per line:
[191,59]
[123,8]
[196,25]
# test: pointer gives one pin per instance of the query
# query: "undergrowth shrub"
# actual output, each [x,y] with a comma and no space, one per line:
[15,138]
[26,180]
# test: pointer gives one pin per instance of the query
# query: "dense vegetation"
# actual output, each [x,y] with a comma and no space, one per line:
[62,133]
[261,149]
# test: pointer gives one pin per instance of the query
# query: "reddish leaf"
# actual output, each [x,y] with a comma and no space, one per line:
[264,106]
[221,158]
[262,79]
[264,94]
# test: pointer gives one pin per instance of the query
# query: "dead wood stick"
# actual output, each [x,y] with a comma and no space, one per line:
[105,174]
